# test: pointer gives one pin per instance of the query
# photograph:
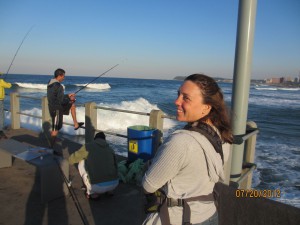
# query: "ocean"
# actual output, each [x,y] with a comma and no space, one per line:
[275,110]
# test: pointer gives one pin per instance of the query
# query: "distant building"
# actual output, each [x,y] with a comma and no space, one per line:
[288,79]
[275,80]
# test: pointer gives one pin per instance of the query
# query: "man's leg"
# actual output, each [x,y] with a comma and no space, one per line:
[84,176]
[57,120]
[73,114]
[93,190]
[54,134]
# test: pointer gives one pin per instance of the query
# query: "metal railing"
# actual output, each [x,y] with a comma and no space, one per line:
[156,119]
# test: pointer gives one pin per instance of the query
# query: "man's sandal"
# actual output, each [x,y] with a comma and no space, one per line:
[79,126]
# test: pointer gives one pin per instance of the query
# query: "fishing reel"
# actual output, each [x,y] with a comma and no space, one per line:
[72,98]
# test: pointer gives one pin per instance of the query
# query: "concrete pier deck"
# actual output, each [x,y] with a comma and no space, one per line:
[20,201]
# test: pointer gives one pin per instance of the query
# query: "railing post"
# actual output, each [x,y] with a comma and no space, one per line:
[45,110]
[249,155]
[156,121]
[15,110]
[90,121]
[46,125]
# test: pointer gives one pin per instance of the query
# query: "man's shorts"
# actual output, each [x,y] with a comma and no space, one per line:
[66,109]
[57,120]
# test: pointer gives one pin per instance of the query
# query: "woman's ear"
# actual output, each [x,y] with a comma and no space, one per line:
[206,109]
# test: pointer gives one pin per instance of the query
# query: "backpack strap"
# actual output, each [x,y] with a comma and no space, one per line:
[210,134]
[186,217]
[187,209]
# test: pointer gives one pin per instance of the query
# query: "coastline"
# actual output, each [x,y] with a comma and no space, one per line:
[253,82]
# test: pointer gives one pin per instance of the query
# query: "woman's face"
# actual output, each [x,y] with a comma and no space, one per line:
[189,102]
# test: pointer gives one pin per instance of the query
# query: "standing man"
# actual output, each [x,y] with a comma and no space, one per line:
[97,166]
[3,85]
[60,104]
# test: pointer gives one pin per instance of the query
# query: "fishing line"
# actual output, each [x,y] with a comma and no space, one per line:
[73,194]
[96,78]
[18,51]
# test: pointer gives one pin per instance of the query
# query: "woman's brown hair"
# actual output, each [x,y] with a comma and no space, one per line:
[213,96]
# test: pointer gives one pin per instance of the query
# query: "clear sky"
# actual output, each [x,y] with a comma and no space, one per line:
[148,38]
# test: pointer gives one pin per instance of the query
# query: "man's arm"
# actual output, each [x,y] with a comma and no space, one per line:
[4,84]
[67,99]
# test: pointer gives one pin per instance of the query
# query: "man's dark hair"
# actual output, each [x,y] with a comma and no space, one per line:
[99,135]
[59,72]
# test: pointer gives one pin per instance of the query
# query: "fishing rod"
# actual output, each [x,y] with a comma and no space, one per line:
[18,51]
[73,194]
[96,78]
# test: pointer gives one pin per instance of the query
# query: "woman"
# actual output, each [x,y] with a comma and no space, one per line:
[187,165]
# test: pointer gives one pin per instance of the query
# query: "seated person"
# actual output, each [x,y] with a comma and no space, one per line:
[97,166]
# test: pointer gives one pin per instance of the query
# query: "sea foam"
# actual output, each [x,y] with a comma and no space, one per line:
[95,86]
[112,121]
